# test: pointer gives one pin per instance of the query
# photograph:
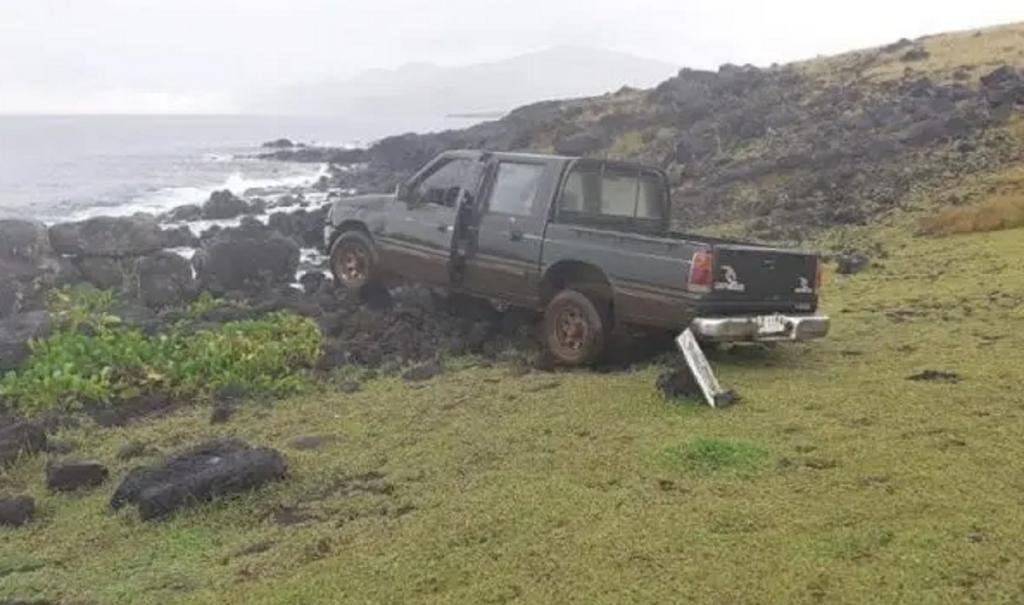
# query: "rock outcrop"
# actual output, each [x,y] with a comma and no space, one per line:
[16,332]
[108,236]
[250,257]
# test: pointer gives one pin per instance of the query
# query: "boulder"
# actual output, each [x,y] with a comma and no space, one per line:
[24,240]
[182,214]
[206,472]
[163,279]
[27,267]
[250,257]
[73,476]
[582,143]
[850,262]
[224,205]
[104,272]
[20,438]
[107,236]
[180,237]
[16,511]
[278,144]
[16,332]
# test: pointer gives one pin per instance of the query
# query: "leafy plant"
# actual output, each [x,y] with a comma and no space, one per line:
[91,360]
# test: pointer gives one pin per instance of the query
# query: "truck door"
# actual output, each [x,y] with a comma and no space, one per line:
[417,240]
[505,260]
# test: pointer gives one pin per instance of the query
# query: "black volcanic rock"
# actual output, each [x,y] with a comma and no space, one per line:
[107,236]
[225,205]
[245,258]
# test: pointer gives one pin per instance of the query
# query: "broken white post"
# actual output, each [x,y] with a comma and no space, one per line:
[713,392]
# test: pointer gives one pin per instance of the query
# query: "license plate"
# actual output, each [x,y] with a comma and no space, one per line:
[771,324]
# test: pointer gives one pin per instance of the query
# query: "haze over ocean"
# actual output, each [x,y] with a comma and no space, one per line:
[55,168]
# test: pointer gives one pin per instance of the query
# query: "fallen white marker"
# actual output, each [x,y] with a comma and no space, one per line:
[713,392]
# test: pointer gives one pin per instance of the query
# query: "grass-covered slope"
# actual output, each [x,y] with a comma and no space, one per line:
[836,480]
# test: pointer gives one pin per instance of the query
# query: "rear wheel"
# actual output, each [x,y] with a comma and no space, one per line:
[354,260]
[574,329]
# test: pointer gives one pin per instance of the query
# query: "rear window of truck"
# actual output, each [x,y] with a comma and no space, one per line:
[613,192]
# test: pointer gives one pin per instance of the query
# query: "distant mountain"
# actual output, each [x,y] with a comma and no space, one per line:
[419,96]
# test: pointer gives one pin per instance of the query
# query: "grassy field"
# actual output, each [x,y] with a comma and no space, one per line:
[836,480]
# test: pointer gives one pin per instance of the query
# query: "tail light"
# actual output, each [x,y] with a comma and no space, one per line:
[701,272]
[819,276]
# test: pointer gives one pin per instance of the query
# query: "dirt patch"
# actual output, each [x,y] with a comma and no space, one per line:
[124,412]
[936,376]
[208,471]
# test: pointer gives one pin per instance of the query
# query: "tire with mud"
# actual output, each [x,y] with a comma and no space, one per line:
[354,260]
[574,329]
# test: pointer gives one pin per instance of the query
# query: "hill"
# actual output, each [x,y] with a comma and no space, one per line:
[421,95]
[784,151]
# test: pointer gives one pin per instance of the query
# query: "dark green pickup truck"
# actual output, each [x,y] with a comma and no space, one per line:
[585,241]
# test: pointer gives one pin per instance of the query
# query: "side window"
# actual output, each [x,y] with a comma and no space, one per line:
[442,186]
[515,187]
[582,192]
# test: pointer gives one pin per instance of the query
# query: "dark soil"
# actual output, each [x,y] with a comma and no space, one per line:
[936,376]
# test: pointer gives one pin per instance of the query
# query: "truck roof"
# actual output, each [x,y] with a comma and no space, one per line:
[547,157]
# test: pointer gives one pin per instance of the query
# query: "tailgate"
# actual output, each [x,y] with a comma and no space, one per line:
[764,275]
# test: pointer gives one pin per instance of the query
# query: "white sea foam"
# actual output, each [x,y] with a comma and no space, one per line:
[165,199]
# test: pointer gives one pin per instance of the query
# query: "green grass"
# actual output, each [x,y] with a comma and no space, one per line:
[835,480]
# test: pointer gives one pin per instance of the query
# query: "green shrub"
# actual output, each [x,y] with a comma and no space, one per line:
[92,359]
[713,455]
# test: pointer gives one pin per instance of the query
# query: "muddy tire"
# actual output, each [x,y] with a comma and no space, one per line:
[354,260]
[574,329]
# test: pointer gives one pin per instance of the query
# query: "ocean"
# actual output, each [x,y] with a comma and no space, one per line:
[60,168]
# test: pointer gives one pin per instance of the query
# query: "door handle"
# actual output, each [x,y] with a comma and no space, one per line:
[442,228]
[515,235]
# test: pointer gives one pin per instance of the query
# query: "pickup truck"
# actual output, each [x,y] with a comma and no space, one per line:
[587,242]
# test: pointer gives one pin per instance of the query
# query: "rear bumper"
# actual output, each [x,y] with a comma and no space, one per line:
[750,328]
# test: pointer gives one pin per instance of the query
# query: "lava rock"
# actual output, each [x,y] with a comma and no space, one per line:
[163,279]
[16,332]
[180,237]
[208,471]
[250,257]
[16,511]
[107,236]
[20,438]
[224,205]
[182,214]
[678,383]
[23,240]
[73,476]
[103,272]
[851,262]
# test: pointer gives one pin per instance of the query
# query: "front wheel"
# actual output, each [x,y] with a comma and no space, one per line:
[574,329]
[354,260]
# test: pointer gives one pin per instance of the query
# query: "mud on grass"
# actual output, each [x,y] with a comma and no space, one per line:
[486,484]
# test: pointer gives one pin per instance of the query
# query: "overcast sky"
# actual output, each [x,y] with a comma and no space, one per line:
[202,55]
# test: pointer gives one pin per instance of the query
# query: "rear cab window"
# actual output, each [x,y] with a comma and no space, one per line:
[609,193]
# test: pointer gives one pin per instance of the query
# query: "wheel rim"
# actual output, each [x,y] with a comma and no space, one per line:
[352,264]
[572,331]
